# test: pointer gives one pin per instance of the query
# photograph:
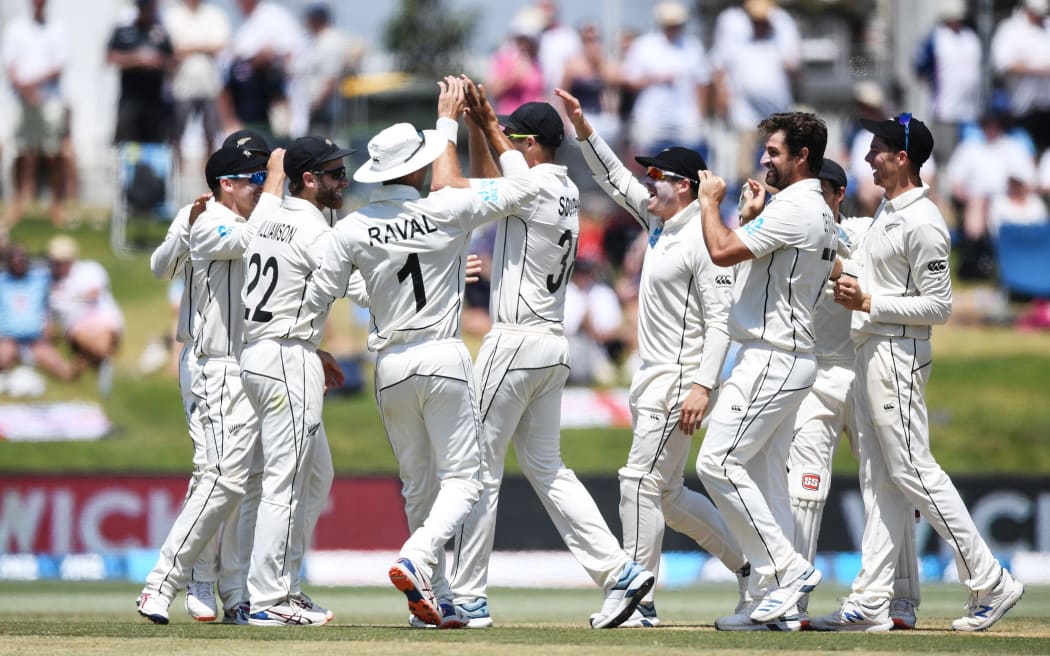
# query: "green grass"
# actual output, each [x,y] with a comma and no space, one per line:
[63,618]
[987,398]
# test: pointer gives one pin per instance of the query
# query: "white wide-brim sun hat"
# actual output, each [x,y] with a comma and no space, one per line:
[399,150]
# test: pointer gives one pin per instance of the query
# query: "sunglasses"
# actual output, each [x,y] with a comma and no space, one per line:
[256,178]
[338,173]
[905,120]
[660,174]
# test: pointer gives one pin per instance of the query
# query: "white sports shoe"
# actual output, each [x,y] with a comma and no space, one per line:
[288,613]
[153,607]
[643,617]
[200,600]
[476,612]
[742,621]
[986,608]
[304,600]
[743,578]
[855,616]
[623,597]
[902,614]
[415,584]
[778,602]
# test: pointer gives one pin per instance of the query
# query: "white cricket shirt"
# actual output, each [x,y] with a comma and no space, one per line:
[534,253]
[218,240]
[831,320]
[683,297]
[904,266]
[794,242]
[412,252]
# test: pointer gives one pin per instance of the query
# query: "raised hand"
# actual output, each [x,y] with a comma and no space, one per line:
[452,99]
[575,113]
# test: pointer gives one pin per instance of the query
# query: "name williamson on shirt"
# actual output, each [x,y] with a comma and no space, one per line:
[277,231]
[398,230]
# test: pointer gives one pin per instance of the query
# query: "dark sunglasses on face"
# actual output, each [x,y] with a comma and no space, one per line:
[338,173]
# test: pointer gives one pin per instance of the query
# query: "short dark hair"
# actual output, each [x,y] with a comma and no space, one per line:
[801,130]
[296,187]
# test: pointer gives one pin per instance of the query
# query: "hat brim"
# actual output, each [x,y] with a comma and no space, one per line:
[664,166]
[878,128]
[433,145]
[508,123]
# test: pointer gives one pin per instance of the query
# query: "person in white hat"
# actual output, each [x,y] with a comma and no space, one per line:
[411,252]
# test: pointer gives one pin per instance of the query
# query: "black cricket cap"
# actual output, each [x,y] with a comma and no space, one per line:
[832,172]
[538,118]
[248,140]
[307,153]
[678,160]
[891,130]
[230,160]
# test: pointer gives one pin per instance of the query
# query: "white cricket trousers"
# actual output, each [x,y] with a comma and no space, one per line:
[207,566]
[284,382]
[825,413]
[898,471]
[743,460]
[520,378]
[231,434]
[652,483]
[426,398]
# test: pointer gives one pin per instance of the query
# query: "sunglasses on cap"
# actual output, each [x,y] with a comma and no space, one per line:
[521,136]
[255,178]
[905,120]
[660,174]
[338,173]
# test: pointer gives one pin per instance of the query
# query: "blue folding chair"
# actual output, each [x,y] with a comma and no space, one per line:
[1022,254]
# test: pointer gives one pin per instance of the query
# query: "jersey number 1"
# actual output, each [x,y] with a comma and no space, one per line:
[270,268]
[413,269]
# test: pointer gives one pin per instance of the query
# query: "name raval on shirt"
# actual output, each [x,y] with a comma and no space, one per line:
[397,230]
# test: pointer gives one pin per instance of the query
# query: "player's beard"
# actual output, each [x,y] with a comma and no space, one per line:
[330,197]
[773,178]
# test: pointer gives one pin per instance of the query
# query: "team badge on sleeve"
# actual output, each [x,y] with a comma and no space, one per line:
[937,266]
[751,227]
[487,190]
[224,230]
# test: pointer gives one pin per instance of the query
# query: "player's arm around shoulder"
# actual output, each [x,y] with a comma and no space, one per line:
[488,199]
[331,278]
[165,260]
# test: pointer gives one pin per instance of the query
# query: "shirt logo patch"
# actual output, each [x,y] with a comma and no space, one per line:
[488,191]
[724,281]
[937,266]
[224,230]
[810,481]
[752,227]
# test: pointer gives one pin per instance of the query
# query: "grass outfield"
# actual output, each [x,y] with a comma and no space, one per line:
[81,618]
[987,398]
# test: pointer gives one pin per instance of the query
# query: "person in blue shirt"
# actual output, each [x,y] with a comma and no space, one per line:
[24,312]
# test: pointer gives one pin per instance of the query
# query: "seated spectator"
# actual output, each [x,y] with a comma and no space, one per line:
[1019,204]
[592,326]
[24,318]
[84,309]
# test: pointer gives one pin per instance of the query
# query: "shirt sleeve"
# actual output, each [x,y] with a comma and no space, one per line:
[216,236]
[927,249]
[488,199]
[356,290]
[169,257]
[615,179]
[331,280]
[769,231]
[716,285]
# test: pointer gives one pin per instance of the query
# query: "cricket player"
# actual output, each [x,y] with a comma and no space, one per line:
[524,363]
[238,179]
[170,259]
[411,252]
[682,341]
[284,375]
[898,285]
[784,258]
[827,410]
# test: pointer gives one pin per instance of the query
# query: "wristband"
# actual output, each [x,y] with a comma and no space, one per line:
[448,128]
